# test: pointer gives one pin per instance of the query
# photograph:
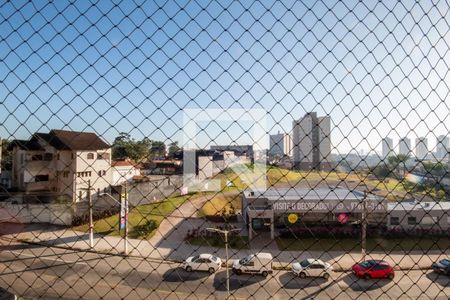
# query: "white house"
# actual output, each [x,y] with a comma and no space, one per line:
[63,163]
[124,170]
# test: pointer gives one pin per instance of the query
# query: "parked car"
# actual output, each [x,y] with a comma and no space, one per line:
[5,295]
[312,268]
[442,266]
[202,262]
[373,269]
[260,263]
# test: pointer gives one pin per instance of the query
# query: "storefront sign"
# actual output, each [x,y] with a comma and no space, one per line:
[343,218]
[292,218]
[304,206]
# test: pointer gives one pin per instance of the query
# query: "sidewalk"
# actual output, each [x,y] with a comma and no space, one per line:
[67,238]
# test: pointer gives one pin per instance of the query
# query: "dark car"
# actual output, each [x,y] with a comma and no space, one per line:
[373,269]
[442,266]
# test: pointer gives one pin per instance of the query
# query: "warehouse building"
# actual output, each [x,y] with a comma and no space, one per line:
[267,209]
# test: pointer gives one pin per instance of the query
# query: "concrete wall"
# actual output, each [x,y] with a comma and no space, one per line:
[59,214]
[158,188]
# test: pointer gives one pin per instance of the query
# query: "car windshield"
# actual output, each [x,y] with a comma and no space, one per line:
[304,263]
[245,260]
[445,262]
[367,264]
[194,258]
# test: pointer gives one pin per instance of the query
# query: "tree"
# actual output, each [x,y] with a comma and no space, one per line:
[173,148]
[157,150]
[432,168]
[6,157]
[397,163]
[126,147]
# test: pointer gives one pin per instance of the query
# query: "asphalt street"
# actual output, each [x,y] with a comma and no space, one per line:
[51,273]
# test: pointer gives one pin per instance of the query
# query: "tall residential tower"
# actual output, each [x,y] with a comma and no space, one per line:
[311,142]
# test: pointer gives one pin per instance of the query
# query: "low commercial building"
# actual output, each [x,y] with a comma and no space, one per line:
[267,209]
[424,215]
[124,170]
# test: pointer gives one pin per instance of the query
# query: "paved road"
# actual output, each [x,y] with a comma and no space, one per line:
[51,273]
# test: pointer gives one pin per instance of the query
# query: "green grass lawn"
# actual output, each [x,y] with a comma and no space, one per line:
[373,244]
[235,242]
[143,220]
[391,189]
[219,202]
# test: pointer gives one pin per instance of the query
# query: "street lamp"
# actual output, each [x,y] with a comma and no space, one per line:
[225,232]
[364,226]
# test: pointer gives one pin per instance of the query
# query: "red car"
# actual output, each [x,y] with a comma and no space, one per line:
[373,269]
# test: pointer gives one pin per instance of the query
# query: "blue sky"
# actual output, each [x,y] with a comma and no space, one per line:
[377,68]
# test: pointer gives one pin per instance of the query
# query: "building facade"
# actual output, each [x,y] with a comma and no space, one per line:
[124,170]
[421,148]
[311,142]
[387,145]
[63,163]
[404,146]
[442,148]
[280,145]
[267,210]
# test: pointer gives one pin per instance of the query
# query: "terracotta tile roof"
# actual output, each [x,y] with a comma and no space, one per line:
[124,163]
[72,140]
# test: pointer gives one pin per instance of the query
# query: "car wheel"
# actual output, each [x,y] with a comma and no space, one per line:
[326,276]
[391,276]
[189,269]
[366,276]
[302,275]
[211,270]
[264,273]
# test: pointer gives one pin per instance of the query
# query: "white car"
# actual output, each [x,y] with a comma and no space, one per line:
[312,268]
[202,262]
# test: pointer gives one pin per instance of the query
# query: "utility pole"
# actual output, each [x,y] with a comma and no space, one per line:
[91,219]
[364,226]
[125,246]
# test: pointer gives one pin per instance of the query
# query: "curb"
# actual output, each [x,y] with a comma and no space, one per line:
[107,253]
[276,265]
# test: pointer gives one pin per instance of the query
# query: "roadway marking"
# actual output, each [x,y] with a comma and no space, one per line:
[49,258]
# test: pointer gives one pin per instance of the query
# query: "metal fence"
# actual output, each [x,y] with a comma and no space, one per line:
[224,149]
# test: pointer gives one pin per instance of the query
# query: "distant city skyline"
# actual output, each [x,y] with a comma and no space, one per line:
[377,69]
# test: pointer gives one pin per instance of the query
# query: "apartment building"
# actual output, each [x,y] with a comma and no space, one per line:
[63,163]
[311,142]
[280,144]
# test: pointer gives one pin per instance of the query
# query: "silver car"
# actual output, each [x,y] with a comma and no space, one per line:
[312,267]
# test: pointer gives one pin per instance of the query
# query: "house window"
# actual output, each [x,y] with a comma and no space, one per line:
[103,155]
[66,174]
[412,221]
[39,178]
[395,221]
[90,156]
